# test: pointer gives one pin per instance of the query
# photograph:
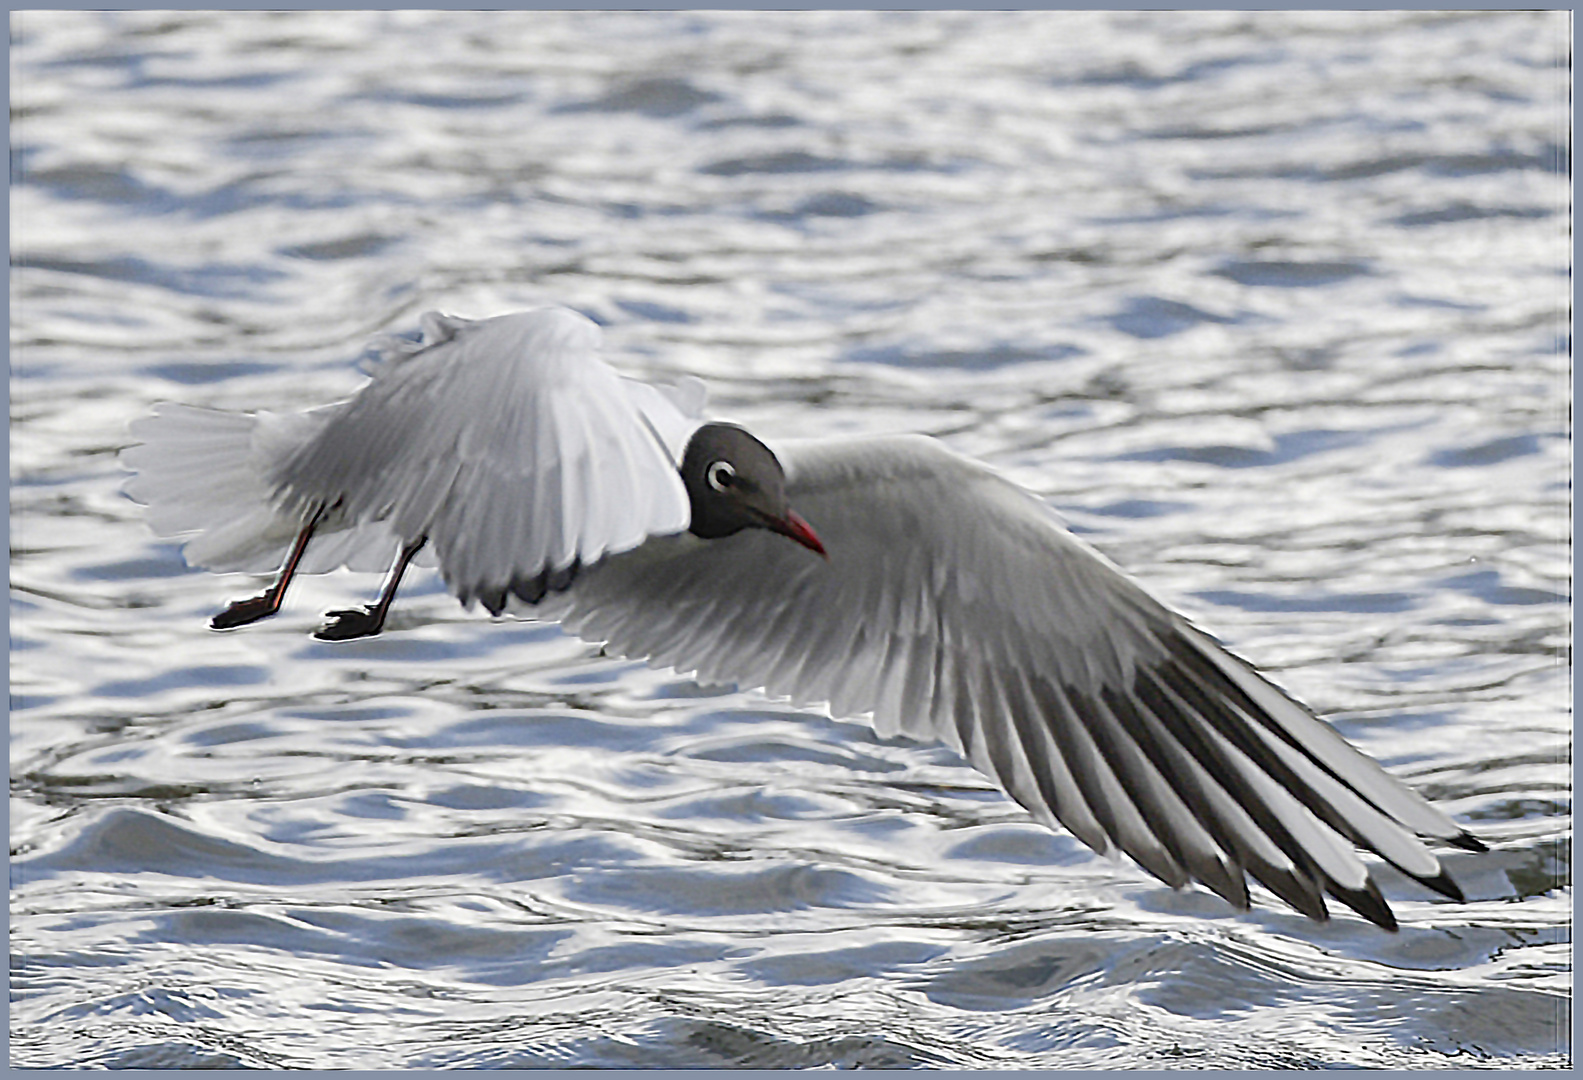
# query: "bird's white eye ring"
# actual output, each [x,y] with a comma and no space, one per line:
[719,475]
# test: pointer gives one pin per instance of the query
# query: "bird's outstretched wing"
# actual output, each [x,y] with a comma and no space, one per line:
[509,444]
[955,607]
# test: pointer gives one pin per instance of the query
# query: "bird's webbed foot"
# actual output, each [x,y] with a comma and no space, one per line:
[354,623]
[242,612]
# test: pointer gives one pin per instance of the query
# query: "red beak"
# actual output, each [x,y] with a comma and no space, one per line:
[795,527]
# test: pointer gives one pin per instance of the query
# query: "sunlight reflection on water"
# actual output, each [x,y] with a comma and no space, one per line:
[1272,306]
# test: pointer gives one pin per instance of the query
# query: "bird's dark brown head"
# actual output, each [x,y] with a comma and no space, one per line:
[734,482]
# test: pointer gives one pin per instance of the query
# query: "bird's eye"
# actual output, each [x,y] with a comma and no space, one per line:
[720,475]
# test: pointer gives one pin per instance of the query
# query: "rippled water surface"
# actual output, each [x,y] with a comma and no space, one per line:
[1273,307]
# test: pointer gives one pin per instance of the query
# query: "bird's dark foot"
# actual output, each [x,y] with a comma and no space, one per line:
[242,612]
[361,622]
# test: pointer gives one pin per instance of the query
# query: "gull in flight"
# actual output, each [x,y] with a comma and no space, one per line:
[885,577]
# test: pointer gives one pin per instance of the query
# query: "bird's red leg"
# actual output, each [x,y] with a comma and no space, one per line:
[370,620]
[242,612]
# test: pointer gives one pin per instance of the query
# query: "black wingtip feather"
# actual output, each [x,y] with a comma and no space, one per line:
[1218,870]
[1373,906]
[1367,902]
[1442,884]
[493,599]
[1225,881]
[531,590]
[528,589]
[1297,889]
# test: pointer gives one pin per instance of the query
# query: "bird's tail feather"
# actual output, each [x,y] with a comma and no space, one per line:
[197,471]
[207,477]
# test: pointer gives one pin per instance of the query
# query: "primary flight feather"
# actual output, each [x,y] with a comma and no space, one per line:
[882,576]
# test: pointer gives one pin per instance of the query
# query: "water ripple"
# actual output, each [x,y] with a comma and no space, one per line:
[1272,305]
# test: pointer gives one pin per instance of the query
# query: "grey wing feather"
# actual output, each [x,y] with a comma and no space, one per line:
[954,606]
[508,443]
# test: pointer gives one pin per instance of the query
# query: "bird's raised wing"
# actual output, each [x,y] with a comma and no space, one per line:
[509,444]
[955,607]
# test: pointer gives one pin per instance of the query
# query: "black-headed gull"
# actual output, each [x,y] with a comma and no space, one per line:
[887,577]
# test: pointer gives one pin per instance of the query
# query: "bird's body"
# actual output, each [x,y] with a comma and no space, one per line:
[887,577]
